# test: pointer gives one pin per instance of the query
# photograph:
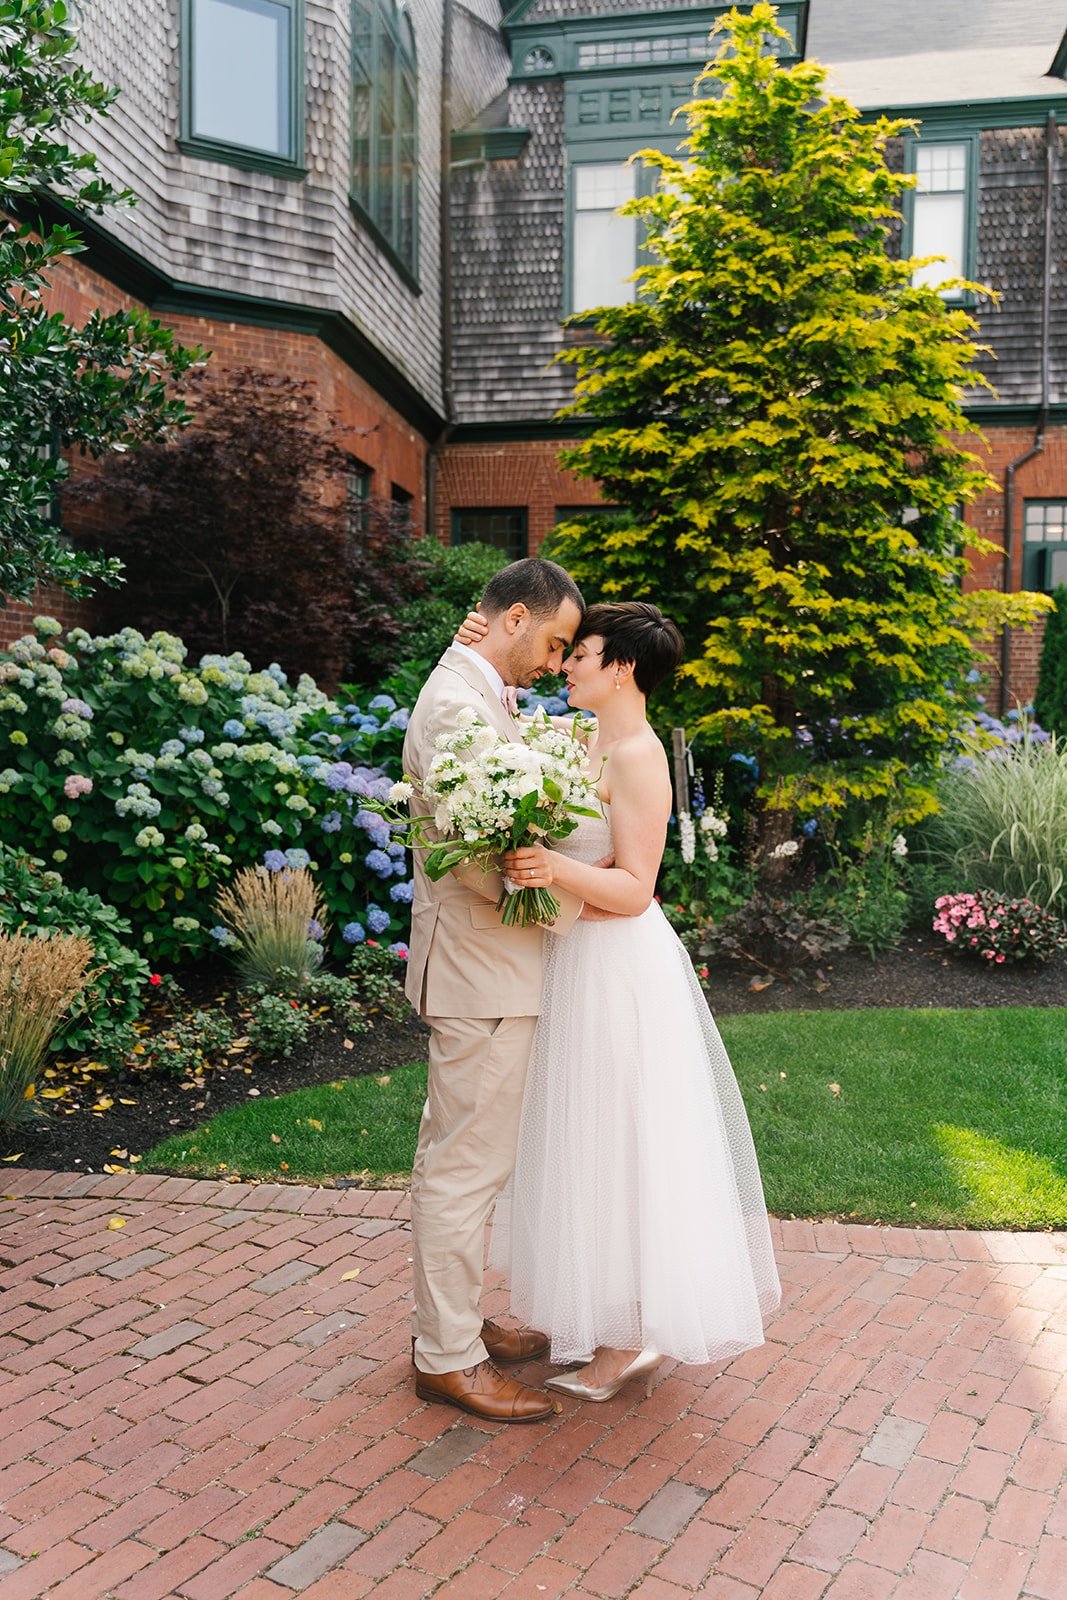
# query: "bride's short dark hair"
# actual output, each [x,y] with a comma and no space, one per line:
[637,631]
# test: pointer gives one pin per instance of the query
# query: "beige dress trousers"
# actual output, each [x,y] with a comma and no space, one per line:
[478,985]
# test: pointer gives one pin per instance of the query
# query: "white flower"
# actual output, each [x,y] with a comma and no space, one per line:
[401,792]
[781,852]
[687,838]
[899,846]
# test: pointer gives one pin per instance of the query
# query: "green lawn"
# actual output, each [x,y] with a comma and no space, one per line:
[940,1117]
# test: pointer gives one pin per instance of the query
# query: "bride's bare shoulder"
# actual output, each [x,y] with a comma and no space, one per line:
[639,756]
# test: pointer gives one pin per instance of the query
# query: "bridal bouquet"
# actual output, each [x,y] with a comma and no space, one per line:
[488,794]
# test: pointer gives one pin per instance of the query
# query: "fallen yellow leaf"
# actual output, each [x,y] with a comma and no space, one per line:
[109,1166]
[383,1080]
[123,1155]
[275,1138]
[54,1094]
[127,1102]
[313,1122]
[346,1277]
[116,1222]
[15,1158]
[29,1091]
[834,1088]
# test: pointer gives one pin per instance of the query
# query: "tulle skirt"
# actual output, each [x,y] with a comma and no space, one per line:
[635,1217]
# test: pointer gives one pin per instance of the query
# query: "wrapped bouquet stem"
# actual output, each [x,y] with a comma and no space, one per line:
[486,794]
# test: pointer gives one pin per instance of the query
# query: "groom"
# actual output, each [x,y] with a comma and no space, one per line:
[478,985]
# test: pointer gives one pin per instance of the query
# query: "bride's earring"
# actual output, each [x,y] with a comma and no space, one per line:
[618,685]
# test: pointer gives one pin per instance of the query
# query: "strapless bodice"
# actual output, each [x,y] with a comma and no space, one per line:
[591,839]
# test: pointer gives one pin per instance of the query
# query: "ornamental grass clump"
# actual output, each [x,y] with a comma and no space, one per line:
[278,921]
[997,929]
[1003,820]
[39,978]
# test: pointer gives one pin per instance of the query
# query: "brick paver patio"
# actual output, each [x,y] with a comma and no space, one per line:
[207,1403]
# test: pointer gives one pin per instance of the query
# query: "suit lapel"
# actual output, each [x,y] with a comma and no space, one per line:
[474,678]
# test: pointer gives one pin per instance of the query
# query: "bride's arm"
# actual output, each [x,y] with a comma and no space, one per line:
[640,809]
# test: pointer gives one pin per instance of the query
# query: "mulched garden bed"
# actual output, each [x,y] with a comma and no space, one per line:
[82,1133]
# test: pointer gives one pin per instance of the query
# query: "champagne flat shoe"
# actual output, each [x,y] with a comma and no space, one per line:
[642,1366]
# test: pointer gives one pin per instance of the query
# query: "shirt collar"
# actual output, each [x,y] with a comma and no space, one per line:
[486,668]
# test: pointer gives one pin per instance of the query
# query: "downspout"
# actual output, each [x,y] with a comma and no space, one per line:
[1051,142]
[445,265]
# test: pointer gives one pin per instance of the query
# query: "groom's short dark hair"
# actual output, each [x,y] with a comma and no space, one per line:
[540,585]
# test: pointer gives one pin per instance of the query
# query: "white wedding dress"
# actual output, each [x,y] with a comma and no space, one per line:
[635,1217]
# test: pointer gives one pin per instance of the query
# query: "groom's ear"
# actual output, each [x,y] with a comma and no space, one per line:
[515,616]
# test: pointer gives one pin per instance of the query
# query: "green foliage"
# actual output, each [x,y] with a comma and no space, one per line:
[100,387]
[1002,823]
[190,1044]
[160,778]
[865,890]
[38,902]
[454,577]
[280,1026]
[700,881]
[777,415]
[993,927]
[1051,706]
[776,934]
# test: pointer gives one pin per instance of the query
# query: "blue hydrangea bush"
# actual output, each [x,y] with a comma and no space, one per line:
[148,781]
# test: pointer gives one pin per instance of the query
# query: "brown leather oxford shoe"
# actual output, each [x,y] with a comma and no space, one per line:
[485,1393]
[504,1345]
[507,1345]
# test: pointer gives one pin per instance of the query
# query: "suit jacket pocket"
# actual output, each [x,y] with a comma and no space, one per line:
[485,916]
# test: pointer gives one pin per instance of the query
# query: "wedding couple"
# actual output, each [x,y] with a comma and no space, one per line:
[575,1072]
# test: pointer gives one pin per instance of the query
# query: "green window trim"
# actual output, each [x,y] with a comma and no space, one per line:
[384,155]
[506,528]
[1040,519]
[191,141]
[969,139]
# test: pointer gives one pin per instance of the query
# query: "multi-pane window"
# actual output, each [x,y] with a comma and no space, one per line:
[504,529]
[360,483]
[1045,544]
[385,123]
[603,244]
[940,210]
[243,74]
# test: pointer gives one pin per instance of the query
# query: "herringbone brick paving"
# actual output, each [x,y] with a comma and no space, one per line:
[205,1404]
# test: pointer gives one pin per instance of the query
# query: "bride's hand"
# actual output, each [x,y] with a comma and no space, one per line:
[472,629]
[532,867]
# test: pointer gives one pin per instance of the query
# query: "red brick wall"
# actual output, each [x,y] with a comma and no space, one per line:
[526,473]
[1043,478]
[393,449]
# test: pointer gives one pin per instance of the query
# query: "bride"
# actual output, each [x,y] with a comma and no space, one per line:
[635,1226]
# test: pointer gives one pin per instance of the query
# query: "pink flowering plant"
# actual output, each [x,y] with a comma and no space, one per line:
[998,929]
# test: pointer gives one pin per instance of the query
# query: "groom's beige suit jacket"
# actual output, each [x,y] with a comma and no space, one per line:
[462,961]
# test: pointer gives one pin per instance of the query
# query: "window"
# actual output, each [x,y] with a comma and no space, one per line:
[504,530]
[1044,544]
[242,81]
[359,485]
[384,124]
[603,244]
[403,505]
[940,211]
